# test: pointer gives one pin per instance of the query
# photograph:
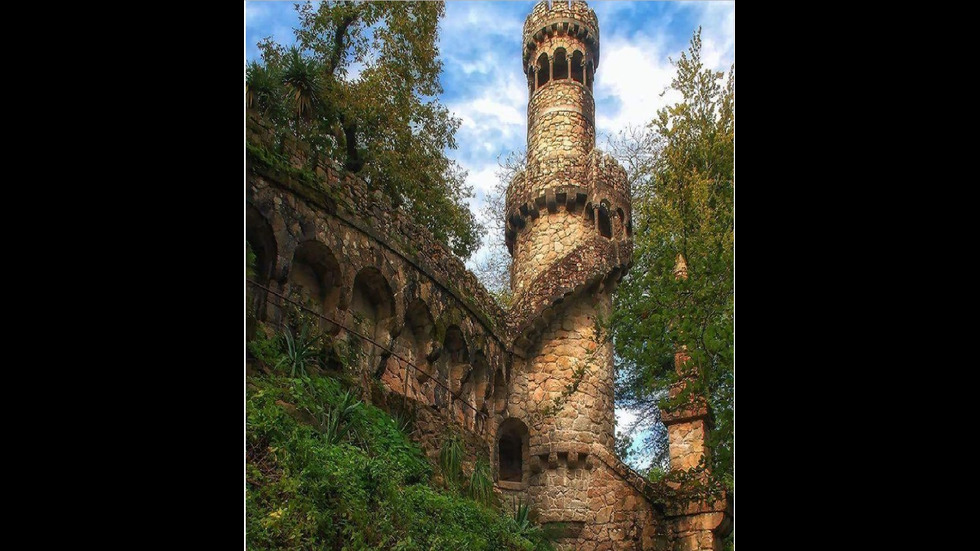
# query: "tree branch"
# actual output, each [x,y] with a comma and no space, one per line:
[340,43]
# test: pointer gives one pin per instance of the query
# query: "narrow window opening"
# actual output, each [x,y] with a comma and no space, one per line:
[543,70]
[577,68]
[605,224]
[561,64]
[511,468]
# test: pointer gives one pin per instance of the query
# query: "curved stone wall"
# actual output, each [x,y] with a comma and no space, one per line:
[358,261]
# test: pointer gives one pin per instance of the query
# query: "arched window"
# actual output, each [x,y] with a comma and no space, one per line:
[577,69]
[544,70]
[512,450]
[605,224]
[589,74]
[373,308]
[561,65]
[620,224]
[315,275]
[259,236]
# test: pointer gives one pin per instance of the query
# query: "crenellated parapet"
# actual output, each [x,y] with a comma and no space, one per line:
[555,20]
[598,192]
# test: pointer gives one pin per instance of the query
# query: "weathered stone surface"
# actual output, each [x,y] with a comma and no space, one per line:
[432,342]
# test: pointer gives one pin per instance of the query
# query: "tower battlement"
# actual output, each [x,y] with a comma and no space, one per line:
[596,189]
[560,19]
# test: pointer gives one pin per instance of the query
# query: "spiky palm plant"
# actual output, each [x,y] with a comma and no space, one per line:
[342,419]
[301,77]
[261,86]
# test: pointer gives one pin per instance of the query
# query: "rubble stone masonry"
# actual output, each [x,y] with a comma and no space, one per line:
[530,388]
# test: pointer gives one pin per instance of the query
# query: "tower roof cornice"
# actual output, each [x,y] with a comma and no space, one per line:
[547,19]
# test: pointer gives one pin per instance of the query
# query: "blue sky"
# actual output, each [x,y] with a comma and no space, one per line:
[480,46]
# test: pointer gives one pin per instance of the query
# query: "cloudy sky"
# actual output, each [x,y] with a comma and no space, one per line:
[480,45]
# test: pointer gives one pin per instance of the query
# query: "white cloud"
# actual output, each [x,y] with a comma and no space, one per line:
[483,178]
[624,419]
[718,34]
[488,110]
[634,72]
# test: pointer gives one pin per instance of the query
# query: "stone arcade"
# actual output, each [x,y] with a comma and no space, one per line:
[532,387]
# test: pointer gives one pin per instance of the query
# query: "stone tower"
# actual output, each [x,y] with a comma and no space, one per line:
[569,232]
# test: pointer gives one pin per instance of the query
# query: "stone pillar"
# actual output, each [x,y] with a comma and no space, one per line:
[701,526]
[698,524]
[687,424]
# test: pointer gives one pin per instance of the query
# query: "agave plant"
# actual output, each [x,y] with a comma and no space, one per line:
[300,351]
[481,487]
[342,419]
[522,516]
[451,460]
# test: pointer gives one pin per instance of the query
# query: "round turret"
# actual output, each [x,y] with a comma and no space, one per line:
[560,54]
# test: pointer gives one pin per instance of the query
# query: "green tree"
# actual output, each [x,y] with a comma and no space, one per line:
[683,204]
[360,87]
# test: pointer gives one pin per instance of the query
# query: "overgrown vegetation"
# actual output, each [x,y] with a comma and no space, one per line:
[325,470]
[360,87]
[683,204]
[481,483]
[451,461]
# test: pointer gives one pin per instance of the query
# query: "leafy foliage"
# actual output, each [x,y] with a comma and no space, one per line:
[683,204]
[313,487]
[360,88]
[326,470]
